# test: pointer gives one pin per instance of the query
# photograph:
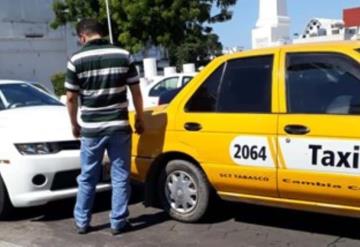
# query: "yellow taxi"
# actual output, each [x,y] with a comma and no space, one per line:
[277,126]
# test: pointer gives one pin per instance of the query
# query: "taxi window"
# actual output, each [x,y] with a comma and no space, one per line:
[322,83]
[204,99]
[241,85]
[246,86]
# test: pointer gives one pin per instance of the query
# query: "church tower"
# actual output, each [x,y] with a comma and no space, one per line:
[273,25]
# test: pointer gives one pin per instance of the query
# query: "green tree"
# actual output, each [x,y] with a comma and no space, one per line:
[181,26]
[58,81]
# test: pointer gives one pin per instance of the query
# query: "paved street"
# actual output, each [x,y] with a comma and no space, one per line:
[227,225]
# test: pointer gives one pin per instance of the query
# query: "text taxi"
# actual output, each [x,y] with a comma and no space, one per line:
[277,126]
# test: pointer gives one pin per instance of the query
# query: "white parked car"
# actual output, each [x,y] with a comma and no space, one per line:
[160,85]
[41,87]
[39,157]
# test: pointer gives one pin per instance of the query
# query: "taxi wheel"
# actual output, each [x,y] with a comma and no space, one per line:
[184,191]
[5,205]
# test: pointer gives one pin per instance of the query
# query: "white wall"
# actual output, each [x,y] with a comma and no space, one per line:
[273,25]
[26,58]
[272,13]
[33,60]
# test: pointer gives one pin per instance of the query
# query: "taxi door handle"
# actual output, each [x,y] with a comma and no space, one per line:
[192,126]
[296,129]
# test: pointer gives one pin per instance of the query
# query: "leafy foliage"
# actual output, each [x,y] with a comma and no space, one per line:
[181,26]
[58,83]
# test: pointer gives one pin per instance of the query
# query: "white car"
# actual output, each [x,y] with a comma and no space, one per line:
[39,157]
[41,87]
[160,85]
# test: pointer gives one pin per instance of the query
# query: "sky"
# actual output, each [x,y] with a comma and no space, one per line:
[237,31]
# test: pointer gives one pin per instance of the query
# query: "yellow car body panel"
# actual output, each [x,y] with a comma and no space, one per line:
[327,186]
[282,174]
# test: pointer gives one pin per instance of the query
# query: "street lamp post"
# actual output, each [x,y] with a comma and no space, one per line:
[109,22]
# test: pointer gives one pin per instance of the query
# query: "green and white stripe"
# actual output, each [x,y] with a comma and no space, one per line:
[71,86]
[109,107]
[100,72]
[71,66]
[106,124]
[98,52]
[103,91]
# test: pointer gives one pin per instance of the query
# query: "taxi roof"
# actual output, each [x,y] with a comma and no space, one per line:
[331,45]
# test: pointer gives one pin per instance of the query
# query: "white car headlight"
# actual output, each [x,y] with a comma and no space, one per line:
[37,148]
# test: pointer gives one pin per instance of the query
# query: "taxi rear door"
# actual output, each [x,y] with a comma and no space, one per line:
[319,130]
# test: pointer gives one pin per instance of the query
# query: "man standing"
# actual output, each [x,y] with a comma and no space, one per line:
[98,74]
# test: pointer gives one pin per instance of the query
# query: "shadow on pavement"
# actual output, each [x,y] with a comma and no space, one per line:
[284,218]
[63,209]
[220,211]
[141,222]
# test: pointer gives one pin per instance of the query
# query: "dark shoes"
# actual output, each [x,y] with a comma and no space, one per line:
[85,230]
[82,230]
[128,227]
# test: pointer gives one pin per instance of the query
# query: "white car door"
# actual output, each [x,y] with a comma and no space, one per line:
[185,79]
[165,85]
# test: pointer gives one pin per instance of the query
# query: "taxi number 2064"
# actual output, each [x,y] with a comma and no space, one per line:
[249,152]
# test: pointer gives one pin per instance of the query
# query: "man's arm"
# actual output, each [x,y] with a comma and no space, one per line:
[138,104]
[72,106]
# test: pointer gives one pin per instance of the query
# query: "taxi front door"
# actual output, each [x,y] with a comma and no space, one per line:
[231,124]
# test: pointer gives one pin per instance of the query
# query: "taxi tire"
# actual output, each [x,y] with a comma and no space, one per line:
[202,185]
[5,204]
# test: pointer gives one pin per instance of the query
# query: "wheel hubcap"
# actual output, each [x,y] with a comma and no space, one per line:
[181,191]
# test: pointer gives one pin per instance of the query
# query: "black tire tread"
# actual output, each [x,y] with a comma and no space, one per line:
[5,205]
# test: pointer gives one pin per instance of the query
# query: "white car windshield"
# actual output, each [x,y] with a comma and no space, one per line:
[23,95]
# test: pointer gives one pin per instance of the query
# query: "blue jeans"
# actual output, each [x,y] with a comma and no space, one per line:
[118,146]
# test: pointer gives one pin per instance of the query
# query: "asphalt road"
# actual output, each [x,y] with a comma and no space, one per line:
[228,224]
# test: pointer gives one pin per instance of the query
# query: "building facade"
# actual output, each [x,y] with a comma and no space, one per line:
[29,48]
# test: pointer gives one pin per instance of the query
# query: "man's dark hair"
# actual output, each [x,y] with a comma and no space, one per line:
[89,26]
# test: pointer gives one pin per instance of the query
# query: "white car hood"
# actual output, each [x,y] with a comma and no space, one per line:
[35,124]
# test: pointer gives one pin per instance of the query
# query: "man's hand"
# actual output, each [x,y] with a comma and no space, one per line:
[76,130]
[139,126]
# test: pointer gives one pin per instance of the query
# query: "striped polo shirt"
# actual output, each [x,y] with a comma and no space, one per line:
[100,73]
